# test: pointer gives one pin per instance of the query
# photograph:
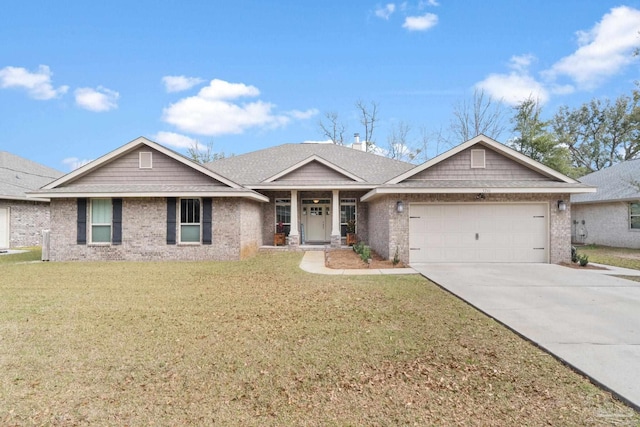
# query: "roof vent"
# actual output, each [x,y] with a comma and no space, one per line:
[357,145]
[477,159]
[145,159]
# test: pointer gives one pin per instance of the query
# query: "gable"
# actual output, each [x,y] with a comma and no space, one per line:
[126,169]
[460,167]
[314,171]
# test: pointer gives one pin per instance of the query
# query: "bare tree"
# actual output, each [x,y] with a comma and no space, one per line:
[203,153]
[368,119]
[333,128]
[480,116]
[397,140]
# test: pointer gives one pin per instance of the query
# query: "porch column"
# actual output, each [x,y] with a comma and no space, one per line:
[336,238]
[294,235]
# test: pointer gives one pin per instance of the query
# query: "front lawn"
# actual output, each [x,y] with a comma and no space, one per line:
[262,343]
[619,257]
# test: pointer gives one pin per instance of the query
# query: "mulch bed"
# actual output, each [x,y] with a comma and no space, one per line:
[348,259]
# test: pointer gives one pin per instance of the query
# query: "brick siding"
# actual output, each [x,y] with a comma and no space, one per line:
[144,233]
[27,219]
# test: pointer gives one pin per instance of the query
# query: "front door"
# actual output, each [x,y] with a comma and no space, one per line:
[316,222]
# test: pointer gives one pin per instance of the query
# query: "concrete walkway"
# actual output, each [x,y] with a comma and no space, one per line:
[313,262]
[585,317]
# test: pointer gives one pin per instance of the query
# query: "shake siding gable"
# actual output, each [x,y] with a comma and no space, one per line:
[497,167]
[314,171]
[126,169]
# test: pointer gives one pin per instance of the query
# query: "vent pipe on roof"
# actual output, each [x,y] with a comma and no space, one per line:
[357,145]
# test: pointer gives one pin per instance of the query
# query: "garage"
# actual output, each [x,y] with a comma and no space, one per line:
[4,228]
[479,232]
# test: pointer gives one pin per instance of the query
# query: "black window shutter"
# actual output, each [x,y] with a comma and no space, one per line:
[116,237]
[171,220]
[82,221]
[206,221]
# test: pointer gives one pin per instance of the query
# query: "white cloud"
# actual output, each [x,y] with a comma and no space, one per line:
[303,115]
[420,23]
[603,51]
[37,84]
[215,110]
[175,140]
[386,11]
[516,86]
[74,163]
[180,83]
[98,100]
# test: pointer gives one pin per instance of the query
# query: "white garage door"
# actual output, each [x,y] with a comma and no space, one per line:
[478,232]
[4,228]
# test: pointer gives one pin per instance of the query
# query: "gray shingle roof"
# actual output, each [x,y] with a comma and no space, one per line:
[616,183]
[19,175]
[454,183]
[253,168]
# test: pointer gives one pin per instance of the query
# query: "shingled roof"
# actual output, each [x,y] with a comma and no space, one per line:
[620,182]
[19,175]
[254,168]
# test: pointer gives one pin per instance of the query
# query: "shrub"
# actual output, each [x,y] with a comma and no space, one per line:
[396,258]
[583,259]
[574,254]
[366,253]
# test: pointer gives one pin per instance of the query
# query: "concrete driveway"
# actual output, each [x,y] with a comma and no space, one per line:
[587,318]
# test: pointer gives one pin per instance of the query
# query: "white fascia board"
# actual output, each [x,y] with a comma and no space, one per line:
[310,187]
[503,190]
[83,170]
[195,194]
[28,198]
[482,139]
[318,159]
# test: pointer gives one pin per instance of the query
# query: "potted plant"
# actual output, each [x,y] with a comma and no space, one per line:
[352,239]
[279,238]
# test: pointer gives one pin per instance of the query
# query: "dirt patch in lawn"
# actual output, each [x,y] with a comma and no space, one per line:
[348,259]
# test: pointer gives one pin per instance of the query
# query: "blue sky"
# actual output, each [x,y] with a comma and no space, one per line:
[80,78]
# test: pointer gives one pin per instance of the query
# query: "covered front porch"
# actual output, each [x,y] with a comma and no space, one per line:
[313,218]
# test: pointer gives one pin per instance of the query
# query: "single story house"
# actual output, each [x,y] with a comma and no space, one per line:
[22,219]
[478,202]
[610,217]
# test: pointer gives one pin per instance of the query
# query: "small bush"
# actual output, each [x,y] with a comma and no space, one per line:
[366,253]
[396,258]
[357,248]
[583,260]
[574,254]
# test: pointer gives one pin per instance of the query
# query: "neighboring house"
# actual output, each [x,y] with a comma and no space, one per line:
[610,217]
[21,219]
[479,202]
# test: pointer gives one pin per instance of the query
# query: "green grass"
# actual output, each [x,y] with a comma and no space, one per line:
[31,254]
[619,257]
[261,343]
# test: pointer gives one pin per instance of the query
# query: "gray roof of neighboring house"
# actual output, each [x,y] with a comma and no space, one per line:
[616,183]
[257,166]
[19,175]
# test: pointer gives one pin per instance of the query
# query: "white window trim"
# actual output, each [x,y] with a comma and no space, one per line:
[281,202]
[91,223]
[633,216]
[180,223]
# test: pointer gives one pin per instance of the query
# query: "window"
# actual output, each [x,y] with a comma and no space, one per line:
[190,221]
[101,212]
[347,213]
[283,214]
[634,216]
